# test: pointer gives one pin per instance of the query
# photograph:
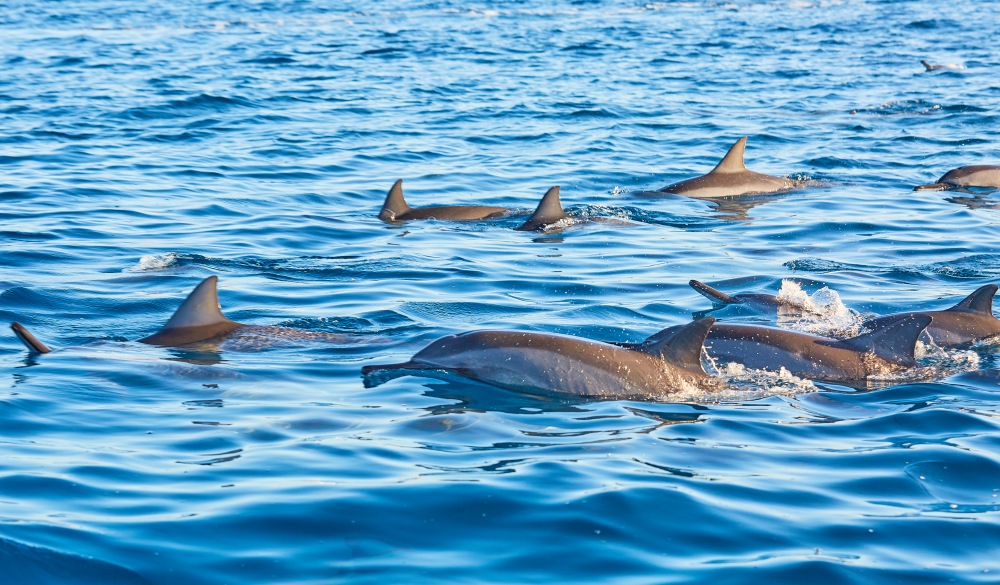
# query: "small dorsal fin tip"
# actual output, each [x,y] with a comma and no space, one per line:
[979,302]
[895,341]
[201,307]
[549,211]
[733,161]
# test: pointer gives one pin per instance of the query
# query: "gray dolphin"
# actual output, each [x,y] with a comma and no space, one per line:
[760,302]
[199,324]
[969,176]
[548,212]
[542,362]
[932,67]
[969,321]
[885,350]
[731,178]
[396,209]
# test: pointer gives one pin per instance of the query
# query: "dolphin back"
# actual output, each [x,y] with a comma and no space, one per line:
[894,341]
[394,205]
[979,302]
[681,345]
[549,211]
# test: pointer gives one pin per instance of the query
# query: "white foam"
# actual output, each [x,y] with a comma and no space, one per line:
[154,262]
[823,312]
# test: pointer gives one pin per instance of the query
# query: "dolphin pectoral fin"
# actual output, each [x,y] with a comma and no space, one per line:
[716,296]
[394,205]
[198,318]
[894,342]
[933,187]
[733,161]
[979,302]
[681,346]
[29,340]
[549,211]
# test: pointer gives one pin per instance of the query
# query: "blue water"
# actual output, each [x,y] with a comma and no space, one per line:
[147,145]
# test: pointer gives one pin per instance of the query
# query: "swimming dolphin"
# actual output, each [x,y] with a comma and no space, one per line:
[542,362]
[731,178]
[885,350]
[762,303]
[931,67]
[199,324]
[548,212]
[969,176]
[969,321]
[396,209]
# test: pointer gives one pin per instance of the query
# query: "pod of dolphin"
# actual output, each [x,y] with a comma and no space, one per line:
[664,363]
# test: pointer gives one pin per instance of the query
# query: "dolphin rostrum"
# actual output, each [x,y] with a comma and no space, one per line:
[396,209]
[969,176]
[762,303]
[731,178]
[542,362]
[548,212]
[199,323]
[969,321]
[885,350]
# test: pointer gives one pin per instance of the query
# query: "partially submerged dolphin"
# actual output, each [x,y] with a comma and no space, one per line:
[199,324]
[968,176]
[932,67]
[969,321]
[395,208]
[760,302]
[548,212]
[731,178]
[542,362]
[885,350]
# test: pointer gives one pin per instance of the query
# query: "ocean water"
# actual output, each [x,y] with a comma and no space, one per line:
[145,146]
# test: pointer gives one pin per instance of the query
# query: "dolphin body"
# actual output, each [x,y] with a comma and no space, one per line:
[885,350]
[395,208]
[543,363]
[731,178]
[969,321]
[762,303]
[969,176]
[199,324]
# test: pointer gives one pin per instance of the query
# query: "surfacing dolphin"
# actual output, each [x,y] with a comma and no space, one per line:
[969,321]
[395,208]
[548,212]
[885,350]
[987,176]
[731,178]
[760,302]
[544,363]
[933,67]
[199,324]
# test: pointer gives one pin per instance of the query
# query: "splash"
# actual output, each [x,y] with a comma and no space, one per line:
[822,313]
[154,262]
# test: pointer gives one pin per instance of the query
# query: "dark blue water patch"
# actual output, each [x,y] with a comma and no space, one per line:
[27,236]
[23,563]
[193,106]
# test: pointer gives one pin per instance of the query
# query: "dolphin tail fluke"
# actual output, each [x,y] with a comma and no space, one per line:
[716,296]
[980,302]
[927,65]
[548,212]
[681,346]
[733,161]
[29,340]
[394,205]
[894,342]
[932,187]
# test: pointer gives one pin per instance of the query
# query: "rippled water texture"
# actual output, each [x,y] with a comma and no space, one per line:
[147,145]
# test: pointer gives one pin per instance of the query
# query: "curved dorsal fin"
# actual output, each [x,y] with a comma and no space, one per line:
[681,345]
[200,308]
[549,211]
[733,161]
[980,302]
[394,204]
[716,296]
[893,342]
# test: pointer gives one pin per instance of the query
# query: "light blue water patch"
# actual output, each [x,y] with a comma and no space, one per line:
[145,146]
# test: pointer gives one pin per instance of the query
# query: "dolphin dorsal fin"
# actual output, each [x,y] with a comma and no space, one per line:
[716,296]
[893,342]
[200,308]
[733,161]
[549,211]
[394,204]
[681,345]
[980,302]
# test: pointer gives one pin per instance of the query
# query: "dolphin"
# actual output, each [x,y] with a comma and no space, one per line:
[762,303]
[548,212]
[885,350]
[969,176]
[199,324]
[543,362]
[731,178]
[969,321]
[931,67]
[396,209]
